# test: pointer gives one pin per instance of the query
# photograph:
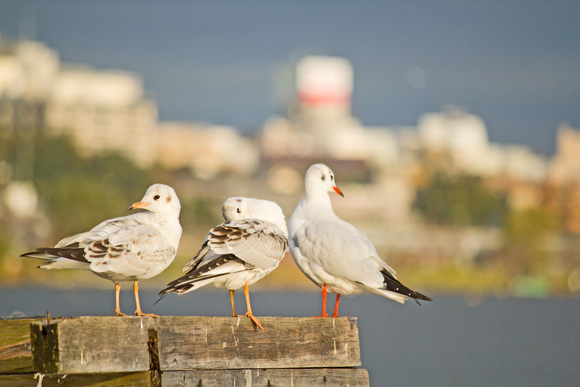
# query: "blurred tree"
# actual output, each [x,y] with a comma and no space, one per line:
[77,192]
[526,236]
[460,201]
[80,192]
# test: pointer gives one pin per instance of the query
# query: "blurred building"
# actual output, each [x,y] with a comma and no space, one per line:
[26,73]
[100,110]
[319,124]
[563,184]
[107,111]
[208,150]
[565,166]
[458,138]
[459,141]
[103,111]
[319,127]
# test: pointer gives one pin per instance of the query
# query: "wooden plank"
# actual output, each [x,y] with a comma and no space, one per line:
[149,378]
[15,353]
[92,345]
[188,343]
[272,377]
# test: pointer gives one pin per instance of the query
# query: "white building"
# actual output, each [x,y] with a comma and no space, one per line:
[27,70]
[565,166]
[103,111]
[464,138]
[100,110]
[208,150]
[320,123]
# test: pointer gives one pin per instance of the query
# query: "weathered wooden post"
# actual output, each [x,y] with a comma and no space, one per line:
[15,354]
[186,351]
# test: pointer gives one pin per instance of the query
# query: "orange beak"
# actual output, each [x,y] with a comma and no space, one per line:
[338,191]
[138,205]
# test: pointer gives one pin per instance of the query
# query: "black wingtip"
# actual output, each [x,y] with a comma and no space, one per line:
[161,296]
[418,296]
[394,285]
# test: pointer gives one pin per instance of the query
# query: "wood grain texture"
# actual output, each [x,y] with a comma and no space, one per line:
[92,345]
[148,378]
[187,343]
[353,377]
[184,351]
[15,352]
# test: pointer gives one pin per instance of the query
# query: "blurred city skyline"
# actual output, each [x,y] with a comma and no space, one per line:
[515,64]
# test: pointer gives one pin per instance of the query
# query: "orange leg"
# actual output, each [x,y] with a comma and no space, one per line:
[249,313]
[234,314]
[324,314]
[335,314]
[117,308]
[137,303]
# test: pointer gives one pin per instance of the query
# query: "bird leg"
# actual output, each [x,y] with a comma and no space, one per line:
[249,312]
[324,314]
[117,308]
[234,314]
[137,303]
[335,314]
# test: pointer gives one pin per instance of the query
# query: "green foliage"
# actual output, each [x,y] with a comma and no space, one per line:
[530,224]
[200,211]
[526,235]
[460,201]
[80,192]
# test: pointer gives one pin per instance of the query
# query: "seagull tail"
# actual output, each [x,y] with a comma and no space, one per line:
[55,261]
[72,252]
[393,285]
[188,282]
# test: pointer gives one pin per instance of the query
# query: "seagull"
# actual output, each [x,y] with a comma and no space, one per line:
[128,248]
[334,254]
[241,251]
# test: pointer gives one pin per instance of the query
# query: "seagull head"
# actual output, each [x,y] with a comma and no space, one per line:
[159,198]
[235,208]
[238,208]
[320,178]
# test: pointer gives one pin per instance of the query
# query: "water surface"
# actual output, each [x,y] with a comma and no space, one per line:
[499,342]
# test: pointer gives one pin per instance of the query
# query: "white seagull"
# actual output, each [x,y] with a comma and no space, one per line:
[244,249]
[334,254]
[128,248]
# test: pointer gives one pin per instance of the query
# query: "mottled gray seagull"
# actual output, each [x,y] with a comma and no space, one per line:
[128,248]
[244,249]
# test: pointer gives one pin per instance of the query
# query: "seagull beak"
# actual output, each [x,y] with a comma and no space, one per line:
[138,205]
[338,191]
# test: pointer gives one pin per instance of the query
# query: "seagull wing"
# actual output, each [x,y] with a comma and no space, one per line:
[256,242]
[341,250]
[136,251]
[124,246]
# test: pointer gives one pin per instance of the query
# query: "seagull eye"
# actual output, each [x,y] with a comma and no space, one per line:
[238,210]
[156,197]
[331,177]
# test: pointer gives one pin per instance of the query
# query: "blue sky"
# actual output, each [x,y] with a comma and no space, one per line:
[514,63]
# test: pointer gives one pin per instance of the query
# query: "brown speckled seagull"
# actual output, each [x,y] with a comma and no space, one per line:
[128,248]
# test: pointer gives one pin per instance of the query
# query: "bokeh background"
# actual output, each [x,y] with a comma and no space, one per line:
[453,128]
